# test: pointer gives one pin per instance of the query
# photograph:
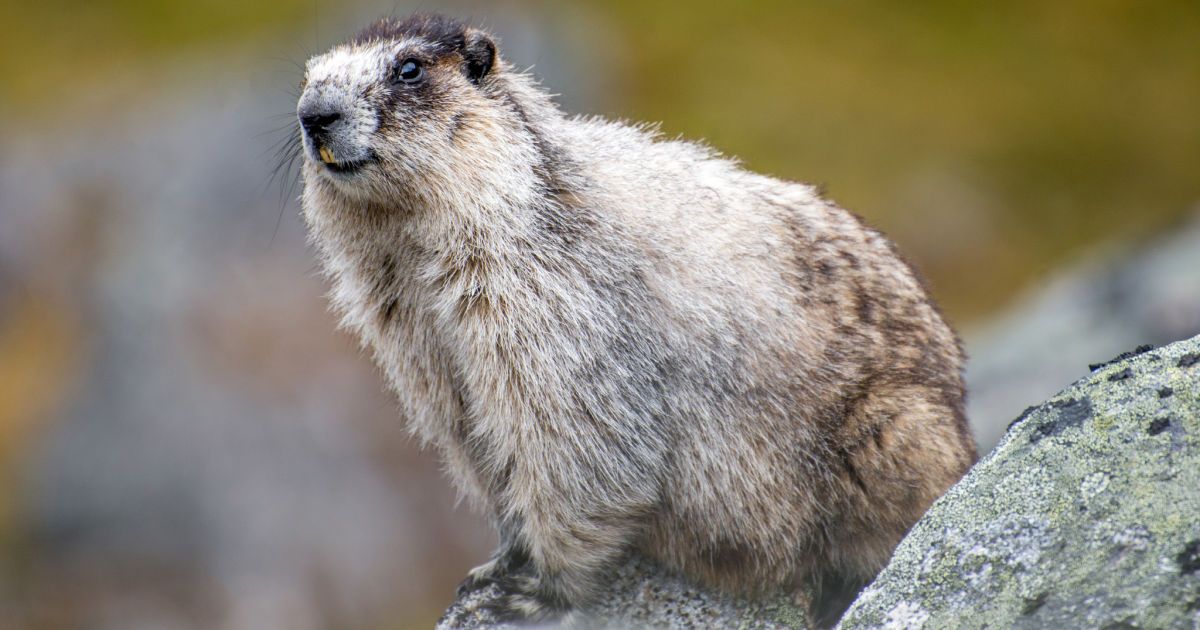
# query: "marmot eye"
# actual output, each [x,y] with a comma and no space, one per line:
[410,71]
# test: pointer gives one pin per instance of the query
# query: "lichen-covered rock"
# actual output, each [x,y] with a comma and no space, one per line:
[1086,515]
[642,596]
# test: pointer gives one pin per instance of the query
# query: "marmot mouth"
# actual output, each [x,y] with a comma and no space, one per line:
[345,168]
[342,167]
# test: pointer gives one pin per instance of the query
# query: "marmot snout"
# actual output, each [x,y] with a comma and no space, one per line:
[621,342]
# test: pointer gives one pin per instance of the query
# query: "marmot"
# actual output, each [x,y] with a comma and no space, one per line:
[618,341]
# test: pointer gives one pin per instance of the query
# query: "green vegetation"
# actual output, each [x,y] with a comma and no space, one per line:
[52,49]
[992,140]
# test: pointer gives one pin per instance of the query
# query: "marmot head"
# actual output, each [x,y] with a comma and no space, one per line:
[406,105]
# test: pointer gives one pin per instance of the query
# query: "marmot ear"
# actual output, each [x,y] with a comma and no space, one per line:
[479,53]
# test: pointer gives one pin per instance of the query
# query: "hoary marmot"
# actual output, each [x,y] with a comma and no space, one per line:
[620,342]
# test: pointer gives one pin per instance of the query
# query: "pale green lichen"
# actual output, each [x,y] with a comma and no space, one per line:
[1086,514]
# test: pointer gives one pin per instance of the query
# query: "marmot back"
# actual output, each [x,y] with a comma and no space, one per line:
[619,342]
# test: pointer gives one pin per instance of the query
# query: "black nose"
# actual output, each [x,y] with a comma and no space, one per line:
[315,125]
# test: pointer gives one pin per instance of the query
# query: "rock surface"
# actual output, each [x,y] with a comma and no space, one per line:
[642,596]
[1086,515]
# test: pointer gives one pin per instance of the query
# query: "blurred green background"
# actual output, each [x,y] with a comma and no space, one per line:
[995,142]
[1034,128]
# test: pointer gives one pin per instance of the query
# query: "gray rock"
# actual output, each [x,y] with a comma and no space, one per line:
[642,596]
[1086,515]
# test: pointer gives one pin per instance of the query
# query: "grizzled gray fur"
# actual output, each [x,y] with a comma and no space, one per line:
[618,341]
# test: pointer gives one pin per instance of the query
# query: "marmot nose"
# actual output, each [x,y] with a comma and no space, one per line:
[316,125]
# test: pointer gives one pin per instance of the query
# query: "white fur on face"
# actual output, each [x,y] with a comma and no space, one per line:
[343,81]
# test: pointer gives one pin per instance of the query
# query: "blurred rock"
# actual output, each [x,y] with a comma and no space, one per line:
[221,456]
[1101,307]
[216,454]
[1085,515]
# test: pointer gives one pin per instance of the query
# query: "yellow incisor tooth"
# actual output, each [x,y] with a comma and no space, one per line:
[327,155]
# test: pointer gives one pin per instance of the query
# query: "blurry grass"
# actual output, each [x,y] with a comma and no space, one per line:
[993,140]
[52,51]
[38,355]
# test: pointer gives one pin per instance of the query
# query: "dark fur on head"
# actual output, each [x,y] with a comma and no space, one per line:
[445,35]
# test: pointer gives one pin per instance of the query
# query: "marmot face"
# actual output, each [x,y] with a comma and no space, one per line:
[384,114]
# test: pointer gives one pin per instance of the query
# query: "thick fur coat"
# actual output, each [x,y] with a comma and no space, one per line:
[621,342]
